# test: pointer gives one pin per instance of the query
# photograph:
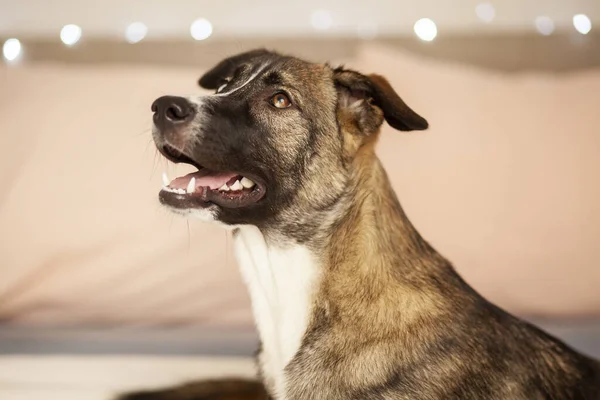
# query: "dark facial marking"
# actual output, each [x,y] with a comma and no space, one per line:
[273,78]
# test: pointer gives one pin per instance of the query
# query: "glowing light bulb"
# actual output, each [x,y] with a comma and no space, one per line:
[582,23]
[201,29]
[70,34]
[544,25]
[12,49]
[486,12]
[321,20]
[425,29]
[136,32]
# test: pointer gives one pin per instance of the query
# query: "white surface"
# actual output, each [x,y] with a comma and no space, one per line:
[100,378]
[239,17]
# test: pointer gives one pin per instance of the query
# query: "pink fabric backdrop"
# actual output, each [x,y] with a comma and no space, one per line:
[504,184]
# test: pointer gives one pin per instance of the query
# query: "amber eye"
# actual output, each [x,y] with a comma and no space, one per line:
[280,100]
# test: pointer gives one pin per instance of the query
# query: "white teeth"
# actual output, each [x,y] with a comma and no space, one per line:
[173,190]
[247,183]
[243,183]
[191,186]
[237,186]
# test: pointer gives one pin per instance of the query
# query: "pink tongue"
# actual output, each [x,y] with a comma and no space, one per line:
[204,177]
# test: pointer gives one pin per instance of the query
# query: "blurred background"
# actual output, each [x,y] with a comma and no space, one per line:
[102,290]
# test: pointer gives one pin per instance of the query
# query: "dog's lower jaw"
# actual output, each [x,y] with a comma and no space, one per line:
[207,215]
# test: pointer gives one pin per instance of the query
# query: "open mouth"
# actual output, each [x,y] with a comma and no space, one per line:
[204,187]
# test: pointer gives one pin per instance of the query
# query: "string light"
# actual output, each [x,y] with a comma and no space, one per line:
[544,25]
[425,29]
[201,29]
[11,49]
[321,20]
[486,12]
[582,23]
[136,32]
[70,34]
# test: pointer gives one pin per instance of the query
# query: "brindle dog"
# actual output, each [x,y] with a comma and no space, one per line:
[349,300]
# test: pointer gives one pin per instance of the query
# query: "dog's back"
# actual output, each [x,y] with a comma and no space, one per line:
[502,357]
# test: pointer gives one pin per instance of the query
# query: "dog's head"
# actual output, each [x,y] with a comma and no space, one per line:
[275,144]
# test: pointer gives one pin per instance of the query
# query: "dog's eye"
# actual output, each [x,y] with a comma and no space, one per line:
[280,100]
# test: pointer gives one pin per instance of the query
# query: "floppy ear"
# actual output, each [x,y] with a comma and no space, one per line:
[364,94]
[215,77]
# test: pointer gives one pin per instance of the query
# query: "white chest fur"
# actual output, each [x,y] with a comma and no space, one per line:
[282,283]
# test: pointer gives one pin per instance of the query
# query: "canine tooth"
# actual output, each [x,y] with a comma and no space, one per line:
[224,188]
[247,183]
[237,186]
[191,186]
[165,179]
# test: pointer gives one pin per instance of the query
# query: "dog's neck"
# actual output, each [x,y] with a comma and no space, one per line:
[371,248]
[374,236]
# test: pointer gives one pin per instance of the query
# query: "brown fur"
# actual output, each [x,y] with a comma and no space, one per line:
[391,319]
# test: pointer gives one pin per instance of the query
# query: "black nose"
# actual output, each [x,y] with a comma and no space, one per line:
[171,111]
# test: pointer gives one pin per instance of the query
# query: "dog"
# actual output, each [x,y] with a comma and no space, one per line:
[349,300]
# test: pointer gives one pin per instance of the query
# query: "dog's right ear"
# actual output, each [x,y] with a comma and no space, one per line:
[225,69]
[372,99]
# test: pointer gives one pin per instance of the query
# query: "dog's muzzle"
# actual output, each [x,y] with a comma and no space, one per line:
[173,119]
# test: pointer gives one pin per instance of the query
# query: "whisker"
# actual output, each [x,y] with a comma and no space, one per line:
[145,131]
[155,161]
[189,236]
[227,248]
[171,222]
[147,146]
